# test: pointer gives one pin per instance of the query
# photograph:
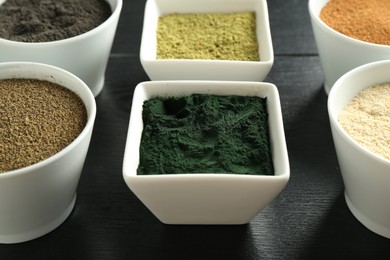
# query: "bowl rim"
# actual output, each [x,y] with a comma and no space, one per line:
[115,12]
[265,23]
[284,173]
[316,19]
[91,110]
[199,177]
[333,115]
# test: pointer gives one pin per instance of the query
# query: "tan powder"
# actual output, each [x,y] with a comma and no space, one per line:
[365,20]
[367,119]
[213,36]
[37,120]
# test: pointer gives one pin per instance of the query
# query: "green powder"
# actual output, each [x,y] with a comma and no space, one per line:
[214,36]
[205,134]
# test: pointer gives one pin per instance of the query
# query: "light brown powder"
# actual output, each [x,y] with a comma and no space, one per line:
[367,119]
[37,120]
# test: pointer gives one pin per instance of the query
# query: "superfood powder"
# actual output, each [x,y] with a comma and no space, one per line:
[367,119]
[222,36]
[37,120]
[205,134]
[50,20]
[365,20]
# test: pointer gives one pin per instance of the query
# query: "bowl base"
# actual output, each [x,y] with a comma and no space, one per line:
[40,231]
[98,88]
[367,222]
[327,88]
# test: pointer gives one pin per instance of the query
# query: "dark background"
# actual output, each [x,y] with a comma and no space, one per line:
[308,220]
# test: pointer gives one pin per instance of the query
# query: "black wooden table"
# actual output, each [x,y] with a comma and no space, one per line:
[309,219]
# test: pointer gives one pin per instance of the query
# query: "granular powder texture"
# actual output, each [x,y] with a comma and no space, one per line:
[37,120]
[50,20]
[367,119]
[205,134]
[365,20]
[221,36]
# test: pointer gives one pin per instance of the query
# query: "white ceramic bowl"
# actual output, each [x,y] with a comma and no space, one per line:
[191,69]
[366,175]
[85,55]
[36,199]
[206,198]
[338,52]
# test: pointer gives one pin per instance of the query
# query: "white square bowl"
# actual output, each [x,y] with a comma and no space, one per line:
[201,69]
[206,198]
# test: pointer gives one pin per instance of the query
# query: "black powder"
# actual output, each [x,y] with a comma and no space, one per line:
[50,20]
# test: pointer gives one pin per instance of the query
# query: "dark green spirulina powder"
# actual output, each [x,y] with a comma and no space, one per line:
[205,134]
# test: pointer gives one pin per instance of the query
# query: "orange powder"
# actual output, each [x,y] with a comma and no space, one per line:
[365,20]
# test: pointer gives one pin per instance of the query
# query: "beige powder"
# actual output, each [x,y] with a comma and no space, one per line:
[367,119]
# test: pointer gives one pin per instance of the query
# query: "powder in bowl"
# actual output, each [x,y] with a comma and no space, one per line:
[38,119]
[367,119]
[365,20]
[205,134]
[50,20]
[213,36]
